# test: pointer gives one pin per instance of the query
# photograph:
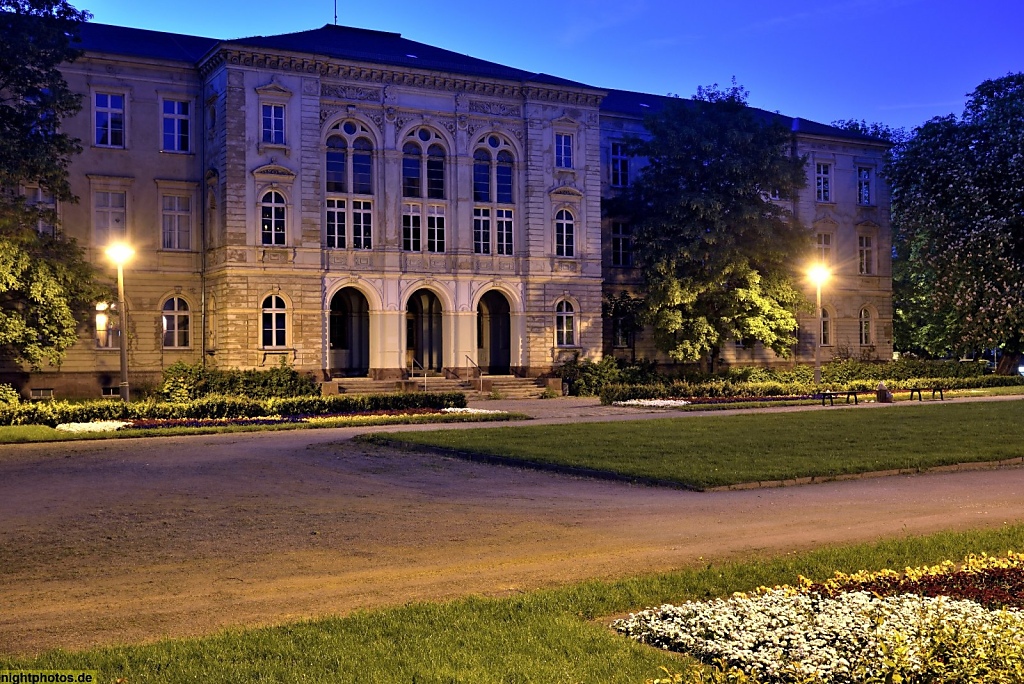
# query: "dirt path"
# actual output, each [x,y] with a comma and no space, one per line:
[132,540]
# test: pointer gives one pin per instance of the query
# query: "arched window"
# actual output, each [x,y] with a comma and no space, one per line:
[412,173]
[274,322]
[272,218]
[565,325]
[826,329]
[565,234]
[494,196]
[865,327]
[177,324]
[348,178]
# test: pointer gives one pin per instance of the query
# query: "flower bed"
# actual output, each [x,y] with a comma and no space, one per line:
[675,403]
[941,624]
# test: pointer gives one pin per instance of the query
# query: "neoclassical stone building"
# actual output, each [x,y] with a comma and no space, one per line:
[359,204]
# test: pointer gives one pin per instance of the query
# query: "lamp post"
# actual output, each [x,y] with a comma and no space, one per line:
[819,274]
[121,253]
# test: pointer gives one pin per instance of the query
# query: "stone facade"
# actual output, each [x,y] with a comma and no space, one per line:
[368,213]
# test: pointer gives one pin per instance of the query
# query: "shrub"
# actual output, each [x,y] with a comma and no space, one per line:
[587,378]
[185,382]
[9,395]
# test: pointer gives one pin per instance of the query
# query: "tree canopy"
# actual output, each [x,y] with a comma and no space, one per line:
[715,251]
[46,286]
[958,218]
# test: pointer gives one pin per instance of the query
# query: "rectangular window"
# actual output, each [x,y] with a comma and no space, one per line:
[435,229]
[482,230]
[622,244]
[37,198]
[411,181]
[563,150]
[411,227]
[273,124]
[482,179]
[177,222]
[621,336]
[825,248]
[362,224]
[823,182]
[109,108]
[435,176]
[336,223]
[108,326]
[864,185]
[619,166]
[176,126]
[503,226]
[865,255]
[108,217]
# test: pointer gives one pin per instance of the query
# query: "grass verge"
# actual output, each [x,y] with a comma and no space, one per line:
[542,636]
[715,451]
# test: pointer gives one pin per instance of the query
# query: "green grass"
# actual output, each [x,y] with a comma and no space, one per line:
[542,636]
[713,451]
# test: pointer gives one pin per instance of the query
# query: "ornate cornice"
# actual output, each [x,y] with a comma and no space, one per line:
[384,76]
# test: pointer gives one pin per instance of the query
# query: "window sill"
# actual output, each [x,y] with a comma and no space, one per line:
[265,147]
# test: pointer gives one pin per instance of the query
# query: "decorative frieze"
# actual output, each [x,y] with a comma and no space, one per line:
[495,108]
[348,92]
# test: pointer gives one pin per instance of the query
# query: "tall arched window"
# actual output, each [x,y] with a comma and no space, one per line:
[565,234]
[865,327]
[493,196]
[423,191]
[272,218]
[274,322]
[177,324]
[348,175]
[826,329]
[565,324]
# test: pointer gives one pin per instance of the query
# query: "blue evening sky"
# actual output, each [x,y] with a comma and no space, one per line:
[899,62]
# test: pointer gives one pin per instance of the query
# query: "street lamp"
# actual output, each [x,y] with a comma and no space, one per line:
[819,275]
[121,253]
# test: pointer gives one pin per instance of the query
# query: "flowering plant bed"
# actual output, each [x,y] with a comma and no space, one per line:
[947,623]
[710,401]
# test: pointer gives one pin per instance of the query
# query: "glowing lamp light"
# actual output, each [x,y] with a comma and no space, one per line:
[120,253]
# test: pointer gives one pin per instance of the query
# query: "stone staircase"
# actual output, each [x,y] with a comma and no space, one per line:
[499,386]
[511,387]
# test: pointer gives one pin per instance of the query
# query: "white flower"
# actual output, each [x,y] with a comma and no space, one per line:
[654,403]
[471,410]
[97,426]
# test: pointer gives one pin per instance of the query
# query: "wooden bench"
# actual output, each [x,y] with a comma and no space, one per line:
[920,397]
[831,396]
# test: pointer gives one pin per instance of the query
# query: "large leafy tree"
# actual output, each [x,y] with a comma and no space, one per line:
[958,216]
[46,286]
[716,253]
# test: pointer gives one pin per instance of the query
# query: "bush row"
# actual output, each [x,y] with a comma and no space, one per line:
[53,413]
[729,388]
[186,382]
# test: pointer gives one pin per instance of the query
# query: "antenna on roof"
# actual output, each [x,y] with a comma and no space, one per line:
[335,12]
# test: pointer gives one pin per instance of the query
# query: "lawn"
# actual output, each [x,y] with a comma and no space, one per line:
[714,451]
[545,636]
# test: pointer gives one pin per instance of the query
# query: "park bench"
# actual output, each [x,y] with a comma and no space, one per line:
[831,396]
[919,391]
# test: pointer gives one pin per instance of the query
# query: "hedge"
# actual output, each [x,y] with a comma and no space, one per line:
[53,413]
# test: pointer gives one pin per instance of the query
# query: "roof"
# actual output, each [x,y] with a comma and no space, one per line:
[132,42]
[634,104]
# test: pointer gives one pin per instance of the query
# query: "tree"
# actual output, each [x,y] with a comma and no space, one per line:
[958,217]
[624,313]
[716,253]
[46,286]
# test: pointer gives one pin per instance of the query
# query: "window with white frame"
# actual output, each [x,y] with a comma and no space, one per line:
[619,165]
[274,322]
[108,326]
[348,175]
[273,223]
[109,112]
[824,248]
[44,203]
[826,329]
[335,225]
[177,321]
[177,126]
[481,230]
[563,150]
[565,324]
[565,234]
[865,255]
[864,185]
[411,216]
[866,330]
[272,123]
[435,228]
[362,224]
[176,217]
[622,244]
[109,216]
[823,182]
[423,159]
[503,228]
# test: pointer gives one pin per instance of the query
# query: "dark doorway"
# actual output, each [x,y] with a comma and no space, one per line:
[423,335]
[494,333]
[349,333]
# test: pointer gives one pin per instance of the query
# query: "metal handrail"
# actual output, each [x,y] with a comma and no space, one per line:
[412,372]
[479,372]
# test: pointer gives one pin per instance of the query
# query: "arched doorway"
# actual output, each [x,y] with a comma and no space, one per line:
[494,333]
[424,338]
[349,333]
